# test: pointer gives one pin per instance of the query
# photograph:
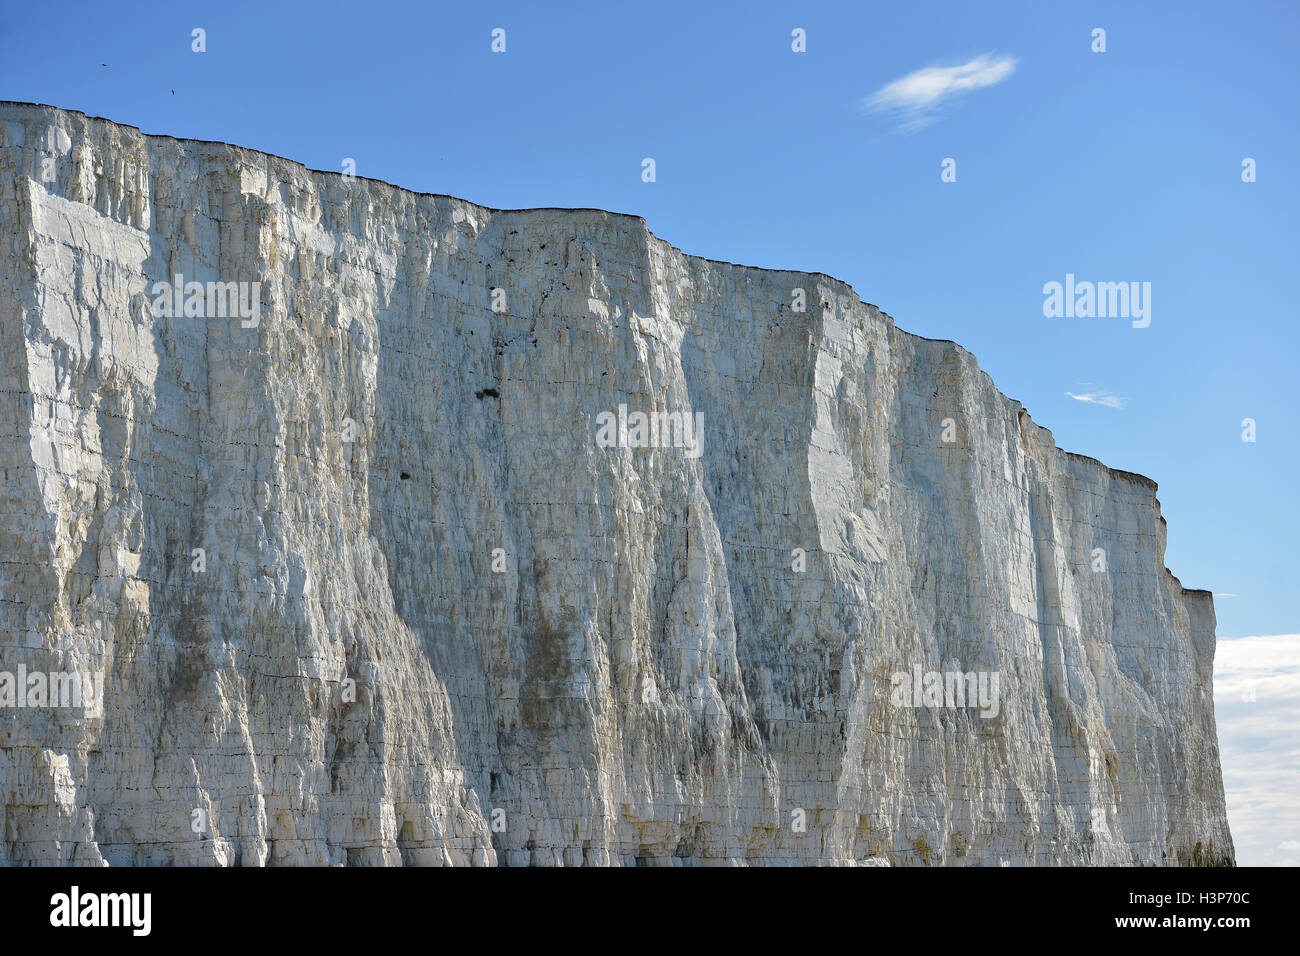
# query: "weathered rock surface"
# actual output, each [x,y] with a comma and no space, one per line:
[647,677]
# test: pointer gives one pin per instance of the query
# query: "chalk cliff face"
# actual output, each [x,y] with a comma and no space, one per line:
[365,582]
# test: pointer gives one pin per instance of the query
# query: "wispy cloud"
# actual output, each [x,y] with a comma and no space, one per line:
[1109,399]
[917,97]
[1224,594]
[1257,708]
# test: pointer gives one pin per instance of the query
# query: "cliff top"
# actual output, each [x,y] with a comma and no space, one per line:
[1114,473]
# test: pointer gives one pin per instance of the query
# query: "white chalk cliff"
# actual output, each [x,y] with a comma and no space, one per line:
[435,621]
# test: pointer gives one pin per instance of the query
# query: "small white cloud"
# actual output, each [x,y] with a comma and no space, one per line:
[918,96]
[1108,399]
[1223,594]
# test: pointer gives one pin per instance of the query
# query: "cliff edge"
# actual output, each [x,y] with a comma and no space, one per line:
[385,528]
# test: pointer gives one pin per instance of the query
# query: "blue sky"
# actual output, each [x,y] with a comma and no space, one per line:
[1115,166]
